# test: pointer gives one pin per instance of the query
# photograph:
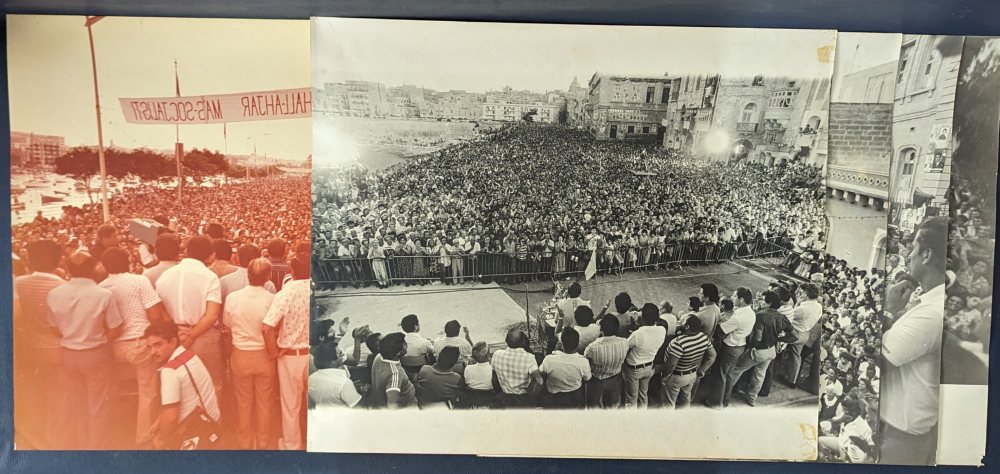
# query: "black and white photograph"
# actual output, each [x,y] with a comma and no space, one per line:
[853,267]
[531,222]
[917,249]
[969,284]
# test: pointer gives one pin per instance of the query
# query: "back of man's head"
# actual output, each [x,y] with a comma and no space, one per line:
[168,248]
[481,352]
[811,291]
[115,260]
[726,304]
[391,346]
[574,290]
[200,248]
[609,326]
[570,340]
[772,299]
[583,315]
[516,339]
[81,265]
[693,325]
[259,271]
[300,267]
[711,292]
[326,355]
[409,323]
[105,231]
[451,328]
[447,358]
[215,230]
[650,313]
[372,342]
[246,253]
[623,302]
[745,295]
[932,234]
[276,249]
[223,250]
[44,255]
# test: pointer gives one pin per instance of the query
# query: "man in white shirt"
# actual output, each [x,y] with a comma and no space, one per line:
[565,373]
[735,330]
[451,338]
[139,305]
[911,350]
[168,250]
[804,318]
[185,385]
[286,332]
[193,298]
[331,384]
[417,346]
[254,372]
[87,318]
[642,347]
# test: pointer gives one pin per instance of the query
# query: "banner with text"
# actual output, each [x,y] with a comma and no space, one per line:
[224,108]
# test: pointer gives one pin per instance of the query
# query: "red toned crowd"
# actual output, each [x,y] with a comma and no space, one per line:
[195,338]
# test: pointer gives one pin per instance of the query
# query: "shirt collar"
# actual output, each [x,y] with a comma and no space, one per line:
[82,281]
[193,262]
[48,275]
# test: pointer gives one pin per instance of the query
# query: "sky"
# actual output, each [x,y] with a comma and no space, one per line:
[52,92]
[487,56]
[858,51]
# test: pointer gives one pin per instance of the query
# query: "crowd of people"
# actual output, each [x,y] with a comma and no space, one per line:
[532,201]
[623,355]
[205,320]
[969,303]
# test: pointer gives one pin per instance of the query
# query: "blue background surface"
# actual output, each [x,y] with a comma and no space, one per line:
[980,17]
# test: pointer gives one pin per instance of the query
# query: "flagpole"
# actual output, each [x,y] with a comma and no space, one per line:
[178,148]
[105,206]
[225,149]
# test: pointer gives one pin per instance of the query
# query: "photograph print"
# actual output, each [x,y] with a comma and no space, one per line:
[515,220]
[160,232]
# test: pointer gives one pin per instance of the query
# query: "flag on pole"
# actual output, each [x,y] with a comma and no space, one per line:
[591,267]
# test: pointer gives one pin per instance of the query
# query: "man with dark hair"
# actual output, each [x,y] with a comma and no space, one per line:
[192,297]
[391,388]
[139,306]
[239,279]
[452,339]
[168,252]
[185,385]
[565,373]
[804,318]
[688,357]
[438,384]
[623,312]
[709,312]
[215,231]
[642,347]
[417,346]
[606,355]
[565,318]
[734,331]
[585,327]
[107,237]
[286,333]
[516,368]
[254,373]
[769,328]
[223,254]
[87,318]
[331,384]
[37,344]
[280,269]
[911,350]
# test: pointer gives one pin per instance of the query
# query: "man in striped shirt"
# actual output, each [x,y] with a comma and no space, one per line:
[390,386]
[606,355]
[688,357]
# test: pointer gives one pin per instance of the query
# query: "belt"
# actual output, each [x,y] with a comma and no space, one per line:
[294,352]
[686,372]
[640,366]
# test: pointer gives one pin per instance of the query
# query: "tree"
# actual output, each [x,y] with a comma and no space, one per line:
[81,164]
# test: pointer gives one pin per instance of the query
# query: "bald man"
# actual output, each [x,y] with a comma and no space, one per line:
[254,373]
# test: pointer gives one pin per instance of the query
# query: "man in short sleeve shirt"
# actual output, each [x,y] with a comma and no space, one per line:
[390,386]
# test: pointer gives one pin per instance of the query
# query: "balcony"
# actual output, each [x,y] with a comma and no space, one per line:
[746,127]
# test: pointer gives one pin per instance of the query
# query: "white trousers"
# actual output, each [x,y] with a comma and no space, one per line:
[292,376]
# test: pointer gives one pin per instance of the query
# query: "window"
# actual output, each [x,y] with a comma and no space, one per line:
[909,161]
[645,129]
[928,69]
[749,113]
[782,99]
[687,84]
[758,81]
[631,129]
[904,60]
[665,96]
[650,93]
[698,84]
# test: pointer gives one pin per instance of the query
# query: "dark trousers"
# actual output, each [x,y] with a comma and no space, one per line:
[574,399]
[518,401]
[606,393]
[900,447]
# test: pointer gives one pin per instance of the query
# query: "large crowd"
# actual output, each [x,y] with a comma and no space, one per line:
[969,303]
[533,201]
[625,354]
[204,320]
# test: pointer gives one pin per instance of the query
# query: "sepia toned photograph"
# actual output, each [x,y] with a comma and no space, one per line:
[853,267]
[160,196]
[502,228]
[917,248]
